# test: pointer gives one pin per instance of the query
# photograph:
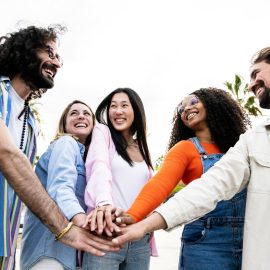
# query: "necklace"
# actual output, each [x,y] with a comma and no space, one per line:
[25,118]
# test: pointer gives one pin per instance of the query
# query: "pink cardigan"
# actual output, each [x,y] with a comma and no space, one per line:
[98,172]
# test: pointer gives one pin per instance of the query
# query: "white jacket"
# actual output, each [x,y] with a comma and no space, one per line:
[247,163]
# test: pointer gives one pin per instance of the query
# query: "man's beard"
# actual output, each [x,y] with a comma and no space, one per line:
[33,77]
[264,99]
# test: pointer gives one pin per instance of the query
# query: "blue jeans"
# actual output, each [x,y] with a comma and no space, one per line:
[133,256]
[214,242]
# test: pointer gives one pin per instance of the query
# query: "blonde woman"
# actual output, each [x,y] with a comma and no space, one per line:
[62,173]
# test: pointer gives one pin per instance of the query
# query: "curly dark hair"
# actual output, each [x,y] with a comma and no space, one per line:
[138,126]
[225,117]
[18,49]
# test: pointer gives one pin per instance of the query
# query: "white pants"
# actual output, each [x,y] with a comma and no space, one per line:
[45,264]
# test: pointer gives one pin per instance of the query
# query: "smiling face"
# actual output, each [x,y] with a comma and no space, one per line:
[121,113]
[192,112]
[260,83]
[41,72]
[79,121]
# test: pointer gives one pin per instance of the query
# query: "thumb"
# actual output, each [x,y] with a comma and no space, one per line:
[125,220]
[120,240]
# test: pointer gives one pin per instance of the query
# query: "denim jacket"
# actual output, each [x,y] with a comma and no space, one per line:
[62,173]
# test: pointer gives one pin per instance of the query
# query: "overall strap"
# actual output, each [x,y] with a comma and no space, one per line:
[198,145]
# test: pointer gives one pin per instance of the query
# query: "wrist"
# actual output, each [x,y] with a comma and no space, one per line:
[64,231]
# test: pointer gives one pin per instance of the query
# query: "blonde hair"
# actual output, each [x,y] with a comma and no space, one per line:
[61,129]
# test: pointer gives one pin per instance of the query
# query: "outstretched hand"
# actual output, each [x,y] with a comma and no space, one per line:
[103,220]
[136,231]
[82,239]
[129,233]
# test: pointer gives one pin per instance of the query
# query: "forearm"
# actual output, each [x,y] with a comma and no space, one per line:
[152,223]
[138,230]
[226,178]
[151,196]
[20,175]
[157,190]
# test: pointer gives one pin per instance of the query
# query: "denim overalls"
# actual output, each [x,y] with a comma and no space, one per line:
[214,242]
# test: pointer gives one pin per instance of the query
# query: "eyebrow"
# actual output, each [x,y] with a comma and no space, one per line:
[53,51]
[254,72]
[124,101]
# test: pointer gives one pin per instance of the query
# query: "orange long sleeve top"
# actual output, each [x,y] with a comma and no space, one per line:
[182,162]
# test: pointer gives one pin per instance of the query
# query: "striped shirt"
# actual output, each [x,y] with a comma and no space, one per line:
[10,203]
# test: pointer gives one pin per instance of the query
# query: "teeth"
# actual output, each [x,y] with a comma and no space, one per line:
[119,120]
[191,115]
[80,125]
[50,72]
[259,90]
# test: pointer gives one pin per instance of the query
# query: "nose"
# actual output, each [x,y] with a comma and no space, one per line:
[118,110]
[81,116]
[56,62]
[188,107]
[255,83]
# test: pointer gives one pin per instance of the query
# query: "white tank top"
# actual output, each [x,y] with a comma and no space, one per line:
[127,181]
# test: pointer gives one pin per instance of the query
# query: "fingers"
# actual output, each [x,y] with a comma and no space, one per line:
[87,220]
[108,217]
[96,245]
[96,222]
[126,219]
[100,221]
[115,231]
[129,233]
[81,239]
[120,240]
[103,218]
[118,211]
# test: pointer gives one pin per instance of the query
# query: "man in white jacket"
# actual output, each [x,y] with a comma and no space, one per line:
[246,164]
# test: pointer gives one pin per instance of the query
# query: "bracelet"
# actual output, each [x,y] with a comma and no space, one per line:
[64,231]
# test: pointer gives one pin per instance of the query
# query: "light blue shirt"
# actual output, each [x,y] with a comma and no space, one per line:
[61,171]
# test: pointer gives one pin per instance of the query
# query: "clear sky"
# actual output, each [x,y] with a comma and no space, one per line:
[163,49]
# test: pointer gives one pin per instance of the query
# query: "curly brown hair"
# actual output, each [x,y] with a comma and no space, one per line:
[18,50]
[226,119]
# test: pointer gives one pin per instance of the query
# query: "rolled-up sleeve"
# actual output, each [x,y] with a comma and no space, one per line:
[62,176]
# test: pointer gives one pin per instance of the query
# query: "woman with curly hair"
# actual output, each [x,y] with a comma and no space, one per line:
[205,125]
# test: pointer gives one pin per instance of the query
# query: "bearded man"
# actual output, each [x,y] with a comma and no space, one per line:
[29,61]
